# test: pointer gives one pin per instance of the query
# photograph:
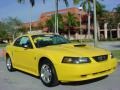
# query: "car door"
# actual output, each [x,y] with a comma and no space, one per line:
[24,55]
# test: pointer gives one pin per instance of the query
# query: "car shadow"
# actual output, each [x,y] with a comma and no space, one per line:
[77,83]
[37,77]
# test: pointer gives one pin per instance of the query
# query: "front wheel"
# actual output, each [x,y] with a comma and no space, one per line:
[47,74]
[9,64]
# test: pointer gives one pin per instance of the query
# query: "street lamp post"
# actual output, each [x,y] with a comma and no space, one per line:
[56,17]
[57,31]
[30,24]
[30,20]
[95,24]
[80,9]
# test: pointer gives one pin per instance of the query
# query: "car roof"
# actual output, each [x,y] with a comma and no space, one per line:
[40,34]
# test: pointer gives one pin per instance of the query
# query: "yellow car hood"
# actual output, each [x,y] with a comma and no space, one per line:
[74,50]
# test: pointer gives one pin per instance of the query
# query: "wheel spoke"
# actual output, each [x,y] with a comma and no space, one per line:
[46,74]
[8,64]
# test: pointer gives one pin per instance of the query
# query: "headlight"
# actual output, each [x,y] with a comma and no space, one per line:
[76,60]
[111,55]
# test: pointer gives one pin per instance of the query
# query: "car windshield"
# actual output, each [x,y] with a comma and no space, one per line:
[47,40]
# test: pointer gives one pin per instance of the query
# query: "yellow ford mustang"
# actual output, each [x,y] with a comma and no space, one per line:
[53,58]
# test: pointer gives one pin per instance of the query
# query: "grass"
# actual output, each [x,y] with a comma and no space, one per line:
[116,53]
[2,45]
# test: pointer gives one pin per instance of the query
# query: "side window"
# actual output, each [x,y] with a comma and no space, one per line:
[21,42]
[24,41]
[16,43]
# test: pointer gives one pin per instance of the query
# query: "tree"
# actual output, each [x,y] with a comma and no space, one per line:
[113,18]
[3,33]
[117,9]
[12,26]
[9,27]
[87,6]
[56,14]
[100,10]
[70,22]
[50,23]
[117,13]
[32,2]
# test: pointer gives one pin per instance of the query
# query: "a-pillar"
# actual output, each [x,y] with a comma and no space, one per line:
[118,31]
[105,30]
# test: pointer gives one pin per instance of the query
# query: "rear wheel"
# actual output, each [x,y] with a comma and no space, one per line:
[47,74]
[9,64]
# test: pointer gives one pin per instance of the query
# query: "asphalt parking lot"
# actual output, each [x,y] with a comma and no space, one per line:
[21,81]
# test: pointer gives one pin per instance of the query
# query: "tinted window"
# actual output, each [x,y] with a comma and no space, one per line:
[16,43]
[21,42]
[47,40]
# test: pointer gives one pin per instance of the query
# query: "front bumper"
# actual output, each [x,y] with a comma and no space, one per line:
[79,72]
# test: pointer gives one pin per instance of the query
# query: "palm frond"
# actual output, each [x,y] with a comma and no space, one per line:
[20,1]
[89,6]
[32,2]
[44,1]
[66,3]
[83,4]
[76,2]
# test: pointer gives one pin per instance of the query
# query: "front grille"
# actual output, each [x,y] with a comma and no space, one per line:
[100,58]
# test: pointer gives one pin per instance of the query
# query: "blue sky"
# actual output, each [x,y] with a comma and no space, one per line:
[10,8]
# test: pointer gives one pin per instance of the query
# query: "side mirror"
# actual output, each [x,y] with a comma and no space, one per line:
[25,46]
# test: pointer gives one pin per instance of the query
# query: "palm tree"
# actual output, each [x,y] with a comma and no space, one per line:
[32,2]
[87,6]
[56,13]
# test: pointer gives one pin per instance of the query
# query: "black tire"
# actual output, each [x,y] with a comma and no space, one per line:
[9,64]
[53,80]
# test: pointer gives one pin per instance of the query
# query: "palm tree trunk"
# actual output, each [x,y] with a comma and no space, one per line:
[89,25]
[55,24]
[56,17]
[69,34]
[110,34]
[30,25]
[69,25]
[95,26]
